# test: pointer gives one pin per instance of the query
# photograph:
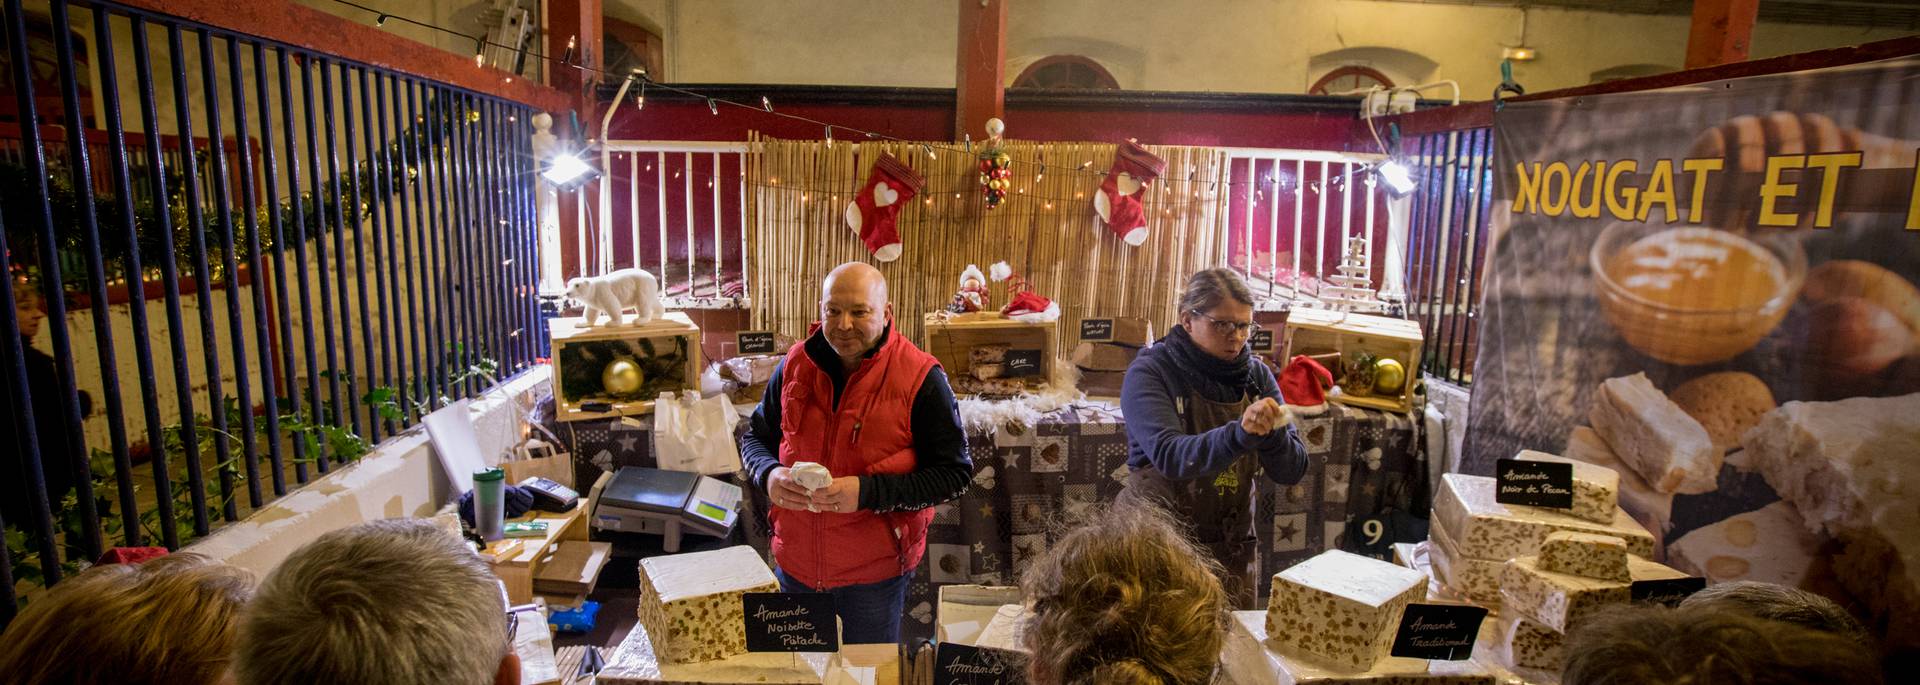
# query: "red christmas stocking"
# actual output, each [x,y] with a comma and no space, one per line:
[874,212]
[1134,168]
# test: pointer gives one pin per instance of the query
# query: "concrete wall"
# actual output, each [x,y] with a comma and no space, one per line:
[1256,46]
[401,478]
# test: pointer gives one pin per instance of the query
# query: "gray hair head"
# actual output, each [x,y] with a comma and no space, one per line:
[1209,288]
[394,602]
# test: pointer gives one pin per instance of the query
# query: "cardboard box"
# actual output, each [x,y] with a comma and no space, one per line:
[1095,356]
[1101,383]
[1132,331]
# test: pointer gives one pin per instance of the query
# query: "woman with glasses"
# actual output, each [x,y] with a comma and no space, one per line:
[1203,417]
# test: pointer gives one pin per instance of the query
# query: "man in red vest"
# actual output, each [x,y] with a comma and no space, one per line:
[858,398]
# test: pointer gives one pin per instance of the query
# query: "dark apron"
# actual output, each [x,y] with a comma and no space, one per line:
[1219,507]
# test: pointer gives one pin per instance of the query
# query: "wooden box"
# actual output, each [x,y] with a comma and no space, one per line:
[952,339]
[1320,331]
[667,351]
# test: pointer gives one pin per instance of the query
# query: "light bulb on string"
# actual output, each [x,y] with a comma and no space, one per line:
[380,20]
[713,107]
[766,104]
[829,135]
[640,100]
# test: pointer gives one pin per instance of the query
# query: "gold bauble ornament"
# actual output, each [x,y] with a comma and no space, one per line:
[622,377]
[1389,377]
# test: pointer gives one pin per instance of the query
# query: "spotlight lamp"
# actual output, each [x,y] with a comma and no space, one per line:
[1399,180]
[566,171]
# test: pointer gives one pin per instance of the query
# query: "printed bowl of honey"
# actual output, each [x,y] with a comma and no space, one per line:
[1692,295]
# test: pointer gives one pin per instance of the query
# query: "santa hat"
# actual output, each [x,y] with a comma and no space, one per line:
[1304,382]
[1025,305]
[972,273]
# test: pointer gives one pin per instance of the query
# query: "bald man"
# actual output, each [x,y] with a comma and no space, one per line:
[861,400]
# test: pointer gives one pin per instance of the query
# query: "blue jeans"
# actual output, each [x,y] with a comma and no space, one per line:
[869,614]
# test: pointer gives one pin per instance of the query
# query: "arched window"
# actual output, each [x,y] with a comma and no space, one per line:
[1348,79]
[1066,71]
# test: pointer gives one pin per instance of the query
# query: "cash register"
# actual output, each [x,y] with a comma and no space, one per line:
[637,499]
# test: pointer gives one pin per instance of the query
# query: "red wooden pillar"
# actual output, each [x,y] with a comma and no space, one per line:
[982,67]
[579,22]
[1722,32]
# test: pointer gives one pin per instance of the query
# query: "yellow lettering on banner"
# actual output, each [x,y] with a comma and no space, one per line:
[1830,166]
[1526,198]
[1659,189]
[1592,208]
[1700,168]
[1620,204]
[1772,188]
[1913,198]
[1554,203]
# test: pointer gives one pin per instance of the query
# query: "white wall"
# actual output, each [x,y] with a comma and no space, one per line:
[401,478]
[1260,46]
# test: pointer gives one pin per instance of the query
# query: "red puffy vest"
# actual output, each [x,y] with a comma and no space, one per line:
[870,434]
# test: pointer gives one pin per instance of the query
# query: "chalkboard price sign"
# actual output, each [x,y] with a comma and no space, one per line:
[1096,330]
[958,664]
[1438,631]
[1262,340]
[1022,363]
[791,622]
[1533,483]
[756,342]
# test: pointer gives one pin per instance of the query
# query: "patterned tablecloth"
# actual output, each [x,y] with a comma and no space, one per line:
[1363,464]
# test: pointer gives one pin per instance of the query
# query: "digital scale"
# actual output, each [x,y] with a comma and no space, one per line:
[667,503]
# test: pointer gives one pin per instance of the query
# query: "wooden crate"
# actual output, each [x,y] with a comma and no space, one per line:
[668,349]
[1315,331]
[952,339]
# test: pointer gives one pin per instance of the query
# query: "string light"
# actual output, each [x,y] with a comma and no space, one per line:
[766,104]
[713,107]
[380,20]
[829,135]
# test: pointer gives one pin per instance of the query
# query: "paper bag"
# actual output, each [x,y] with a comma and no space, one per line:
[695,434]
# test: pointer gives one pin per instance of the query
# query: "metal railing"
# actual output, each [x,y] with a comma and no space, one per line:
[678,209]
[1447,245]
[343,248]
[1291,213]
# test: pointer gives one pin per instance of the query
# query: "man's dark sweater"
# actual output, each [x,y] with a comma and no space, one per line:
[942,469]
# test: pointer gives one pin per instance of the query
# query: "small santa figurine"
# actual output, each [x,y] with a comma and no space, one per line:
[972,296]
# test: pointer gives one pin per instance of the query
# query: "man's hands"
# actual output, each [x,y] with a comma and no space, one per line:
[1264,417]
[841,496]
[785,493]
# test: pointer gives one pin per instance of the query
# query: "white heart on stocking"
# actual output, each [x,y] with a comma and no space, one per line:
[1127,184]
[884,195]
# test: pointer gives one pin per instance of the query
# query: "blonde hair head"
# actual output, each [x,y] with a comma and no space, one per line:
[1125,598]
[166,621]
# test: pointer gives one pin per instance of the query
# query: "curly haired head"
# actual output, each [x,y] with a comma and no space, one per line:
[1125,598]
[1709,646]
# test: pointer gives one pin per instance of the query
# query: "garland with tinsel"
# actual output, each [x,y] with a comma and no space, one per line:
[20,206]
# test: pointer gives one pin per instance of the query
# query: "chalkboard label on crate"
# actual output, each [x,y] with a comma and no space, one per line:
[756,342]
[1096,330]
[1022,363]
[790,622]
[958,664]
[1533,483]
[1261,341]
[1438,631]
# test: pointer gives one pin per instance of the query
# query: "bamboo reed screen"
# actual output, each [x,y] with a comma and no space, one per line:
[1046,229]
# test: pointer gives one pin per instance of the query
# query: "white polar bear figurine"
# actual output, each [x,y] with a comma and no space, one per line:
[613,293]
